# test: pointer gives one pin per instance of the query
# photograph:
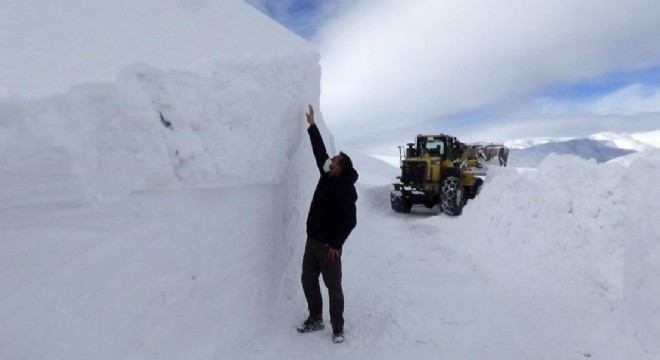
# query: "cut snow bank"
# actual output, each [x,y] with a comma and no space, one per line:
[209,176]
[582,237]
[156,214]
[237,124]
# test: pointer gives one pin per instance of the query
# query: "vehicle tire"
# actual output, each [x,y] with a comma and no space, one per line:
[452,196]
[400,205]
[407,205]
[474,189]
[396,205]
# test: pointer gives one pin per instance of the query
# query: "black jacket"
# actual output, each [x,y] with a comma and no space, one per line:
[332,215]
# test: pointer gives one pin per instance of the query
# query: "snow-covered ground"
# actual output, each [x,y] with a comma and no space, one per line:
[536,268]
[161,215]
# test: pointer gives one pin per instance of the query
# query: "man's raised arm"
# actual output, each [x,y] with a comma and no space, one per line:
[320,153]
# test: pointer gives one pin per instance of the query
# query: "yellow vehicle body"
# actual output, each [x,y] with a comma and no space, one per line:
[433,171]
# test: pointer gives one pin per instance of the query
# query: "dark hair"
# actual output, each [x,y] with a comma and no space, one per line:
[345,162]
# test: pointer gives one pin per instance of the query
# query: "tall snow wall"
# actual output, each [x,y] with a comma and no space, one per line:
[148,94]
[182,94]
[154,129]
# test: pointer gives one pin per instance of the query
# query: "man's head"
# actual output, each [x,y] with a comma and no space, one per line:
[340,164]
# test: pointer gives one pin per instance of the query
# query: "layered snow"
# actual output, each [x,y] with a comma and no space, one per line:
[149,94]
[146,198]
[156,129]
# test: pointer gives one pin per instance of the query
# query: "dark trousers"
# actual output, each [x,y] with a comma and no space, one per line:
[315,263]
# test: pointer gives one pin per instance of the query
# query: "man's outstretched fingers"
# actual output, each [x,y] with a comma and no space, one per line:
[310,115]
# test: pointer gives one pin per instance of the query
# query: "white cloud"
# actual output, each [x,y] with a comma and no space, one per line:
[630,100]
[390,62]
[529,125]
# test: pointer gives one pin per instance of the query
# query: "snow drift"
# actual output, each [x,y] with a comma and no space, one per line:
[578,242]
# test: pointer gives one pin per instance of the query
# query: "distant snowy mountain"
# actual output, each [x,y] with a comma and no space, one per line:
[584,148]
[529,142]
[601,147]
[635,141]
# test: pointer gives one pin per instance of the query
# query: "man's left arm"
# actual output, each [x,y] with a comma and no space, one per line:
[346,225]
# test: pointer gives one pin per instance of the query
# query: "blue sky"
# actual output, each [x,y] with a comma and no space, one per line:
[302,17]
[603,84]
[479,70]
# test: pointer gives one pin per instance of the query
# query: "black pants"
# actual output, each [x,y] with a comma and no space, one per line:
[315,263]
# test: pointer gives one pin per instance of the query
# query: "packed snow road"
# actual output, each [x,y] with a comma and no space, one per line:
[407,294]
[197,274]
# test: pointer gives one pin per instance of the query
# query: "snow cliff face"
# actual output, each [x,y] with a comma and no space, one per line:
[229,114]
[100,259]
[154,129]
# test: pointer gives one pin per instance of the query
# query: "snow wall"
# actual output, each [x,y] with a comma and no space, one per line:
[239,126]
[90,267]
[581,236]
[152,129]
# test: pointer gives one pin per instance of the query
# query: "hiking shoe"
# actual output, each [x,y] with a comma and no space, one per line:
[338,336]
[311,324]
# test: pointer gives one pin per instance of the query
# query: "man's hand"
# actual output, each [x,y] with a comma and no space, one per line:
[333,254]
[310,116]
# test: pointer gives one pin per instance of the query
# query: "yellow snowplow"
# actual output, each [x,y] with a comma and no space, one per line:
[438,169]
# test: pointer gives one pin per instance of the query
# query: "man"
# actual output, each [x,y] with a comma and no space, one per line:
[330,220]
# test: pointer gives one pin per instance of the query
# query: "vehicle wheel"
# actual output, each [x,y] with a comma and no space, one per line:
[396,204]
[400,205]
[474,191]
[452,194]
[407,205]
[477,185]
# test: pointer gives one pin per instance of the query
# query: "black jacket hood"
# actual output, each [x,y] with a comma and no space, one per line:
[350,175]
